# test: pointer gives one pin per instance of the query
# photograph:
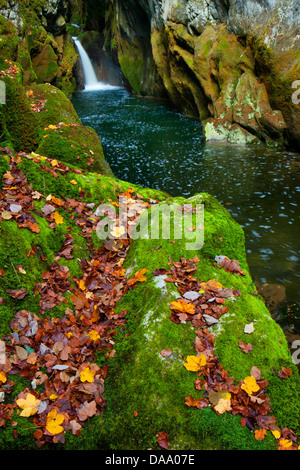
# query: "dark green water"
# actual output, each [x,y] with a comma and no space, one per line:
[148,143]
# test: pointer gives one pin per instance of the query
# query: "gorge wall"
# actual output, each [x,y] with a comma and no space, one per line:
[231,63]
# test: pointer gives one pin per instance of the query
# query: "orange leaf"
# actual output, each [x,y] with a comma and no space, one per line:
[181,305]
[260,434]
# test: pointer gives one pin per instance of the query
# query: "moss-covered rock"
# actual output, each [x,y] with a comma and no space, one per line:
[155,387]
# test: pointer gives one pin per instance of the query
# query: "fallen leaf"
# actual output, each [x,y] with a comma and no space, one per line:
[54,421]
[87,375]
[29,405]
[246,348]
[260,434]
[87,410]
[58,218]
[250,385]
[195,363]
[183,306]
[165,352]
[249,328]
[163,440]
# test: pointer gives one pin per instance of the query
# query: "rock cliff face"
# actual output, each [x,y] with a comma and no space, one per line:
[232,63]
[34,34]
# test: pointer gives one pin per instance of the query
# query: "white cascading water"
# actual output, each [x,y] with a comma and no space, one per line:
[90,79]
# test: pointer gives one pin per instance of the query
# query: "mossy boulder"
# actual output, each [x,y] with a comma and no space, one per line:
[21,123]
[141,380]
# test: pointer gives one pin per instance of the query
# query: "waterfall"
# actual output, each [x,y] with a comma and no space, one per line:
[90,79]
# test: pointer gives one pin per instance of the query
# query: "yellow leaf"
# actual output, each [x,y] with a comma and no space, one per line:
[81,285]
[250,385]
[212,284]
[58,218]
[183,306]
[53,396]
[94,335]
[3,378]
[73,182]
[285,443]
[29,405]
[87,375]
[54,421]
[54,162]
[194,363]
[276,434]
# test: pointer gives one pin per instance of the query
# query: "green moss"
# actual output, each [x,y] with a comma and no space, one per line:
[21,121]
[9,40]
[78,145]
[57,108]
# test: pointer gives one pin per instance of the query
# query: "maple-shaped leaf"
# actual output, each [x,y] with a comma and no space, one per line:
[54,421]
[87,410]
[87,375]
[58,218]
[223,405]
[29,405]
[183,306]
[138,277]
[260,434]
[246,348]
[284,444]
[94,335]
[195,363]
[250,385]
[211,285]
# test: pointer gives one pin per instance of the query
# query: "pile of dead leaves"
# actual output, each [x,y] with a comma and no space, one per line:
[59,355]
[202,303]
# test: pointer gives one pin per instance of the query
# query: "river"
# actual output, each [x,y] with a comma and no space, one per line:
[147,142]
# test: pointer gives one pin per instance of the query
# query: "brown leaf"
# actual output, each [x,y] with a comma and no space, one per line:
[163,440]
[246,348]
[87,410]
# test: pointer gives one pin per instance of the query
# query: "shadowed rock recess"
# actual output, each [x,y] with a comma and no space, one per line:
[139,342]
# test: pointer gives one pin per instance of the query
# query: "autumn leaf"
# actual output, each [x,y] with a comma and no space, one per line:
[211,285]
[284,444]
[3,378]
[163,440]
[223,405]
[94,335]
[58,218]
[276,434]
[260,434]
[246,348]
[54,421]
[87,410]
[183,306]
[195,363]
[73,182]
[29,405]
[87,375]
[138,277]
[250,385]
[117,231]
